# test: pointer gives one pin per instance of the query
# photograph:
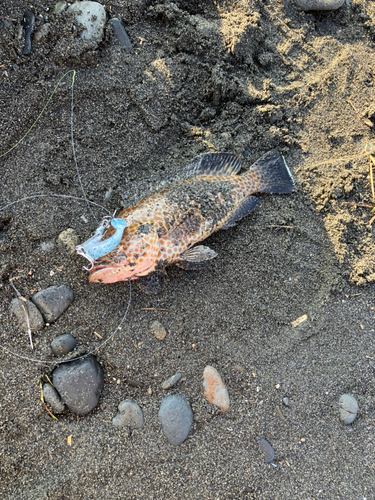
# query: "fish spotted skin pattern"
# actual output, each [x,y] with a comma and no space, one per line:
[163,227]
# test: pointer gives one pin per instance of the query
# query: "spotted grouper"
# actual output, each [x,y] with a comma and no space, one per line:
[163,228]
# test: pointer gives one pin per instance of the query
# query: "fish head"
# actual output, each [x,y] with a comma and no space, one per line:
[136,255]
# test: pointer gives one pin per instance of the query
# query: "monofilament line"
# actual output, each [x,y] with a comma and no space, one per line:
[58,361]
[74,152]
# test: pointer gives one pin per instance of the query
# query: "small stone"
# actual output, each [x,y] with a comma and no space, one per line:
[158,330]
[36,321]
[320,4]
[59,8]
[92,16]
[171,381]
[43,32]
[63,344]
[266,448]
[69,239]
[79,384]
[129,415]
[121,35]
[176,417]
[52,398]
[53,301]
[47,246]
[348,408]
[286,401]
[214,389]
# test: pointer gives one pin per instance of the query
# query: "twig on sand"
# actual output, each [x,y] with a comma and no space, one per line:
[20,298]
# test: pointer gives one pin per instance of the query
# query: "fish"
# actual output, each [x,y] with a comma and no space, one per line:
[164,228]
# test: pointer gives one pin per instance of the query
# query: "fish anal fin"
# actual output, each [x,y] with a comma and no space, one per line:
[153,283]
[214,164]
[247,206]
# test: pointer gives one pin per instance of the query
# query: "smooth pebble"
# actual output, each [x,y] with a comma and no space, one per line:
[79,384]
[53,301]
[63,344]
[158,330]
[59,8]
[171,381]
[69,239]
[92,16]
[214,389]
[286,401]
[320,4]
[18,307]
[176,417]
[129,414]
[52,398]
[44,30]
[267,450]
[348,408]
[121,35]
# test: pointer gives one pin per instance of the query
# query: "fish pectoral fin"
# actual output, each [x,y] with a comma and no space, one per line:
[242,210]
[153,283]
[196,255]
[214,163]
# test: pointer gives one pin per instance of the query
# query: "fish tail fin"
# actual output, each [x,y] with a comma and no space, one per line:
[272,174]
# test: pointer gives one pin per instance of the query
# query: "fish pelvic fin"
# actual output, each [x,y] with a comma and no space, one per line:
[213,164]
[272,173]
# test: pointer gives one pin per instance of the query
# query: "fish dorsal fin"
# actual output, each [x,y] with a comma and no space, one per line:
[214,164]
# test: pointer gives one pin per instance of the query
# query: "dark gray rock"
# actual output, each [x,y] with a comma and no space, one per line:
[18,307]
[129,415]
[348,408]
[63,344]
[52,398]
[79,384]
[269,454]
[121,35]
[53,301]
[171,381]
[176,417]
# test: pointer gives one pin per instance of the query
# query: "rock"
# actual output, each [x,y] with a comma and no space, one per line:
[69,239]
[158,330]
[286,401]
[52,398]
[320,4]
[92,16]
[348,408]
[53,301]
[47,246]
[214,389]
[176,417]
[44,30]
[63,344]
[129,414]
[27,23]
[35,318]
[79,384]
[121,35]
[171,381]
[266,448]
[59,8]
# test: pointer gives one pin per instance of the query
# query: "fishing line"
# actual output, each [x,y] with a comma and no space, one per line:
[84,199]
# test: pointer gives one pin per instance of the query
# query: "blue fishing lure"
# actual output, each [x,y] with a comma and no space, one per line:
[94,248]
